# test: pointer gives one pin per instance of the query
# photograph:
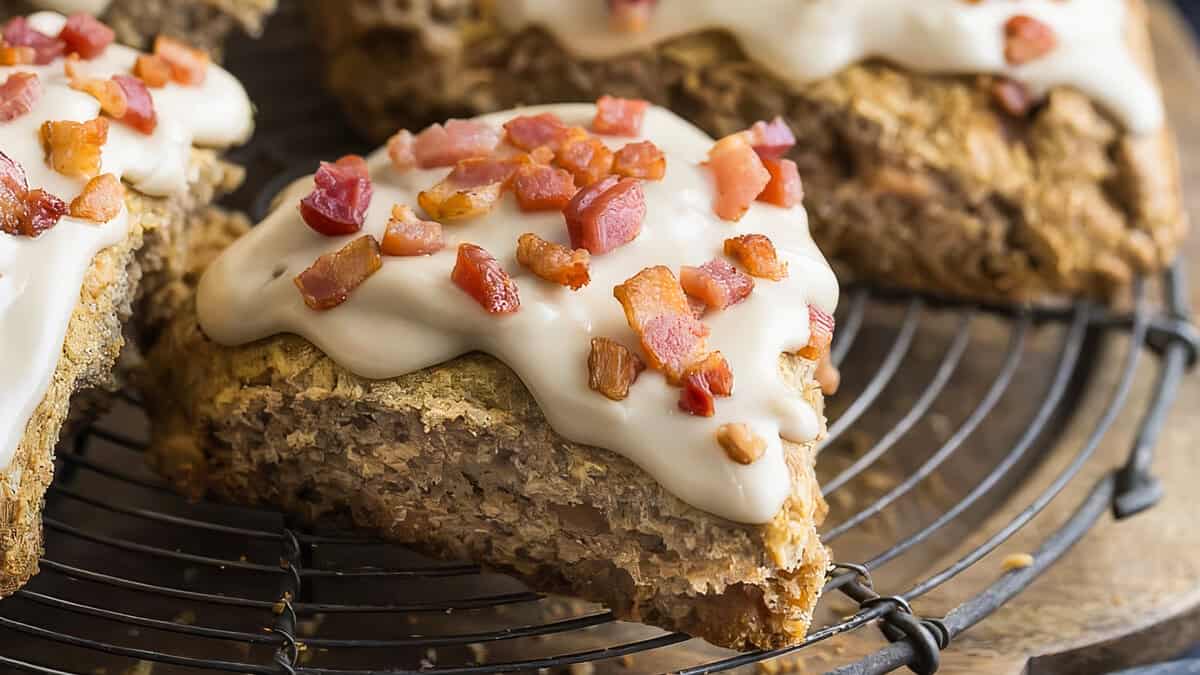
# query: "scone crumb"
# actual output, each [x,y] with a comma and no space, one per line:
[1017,561]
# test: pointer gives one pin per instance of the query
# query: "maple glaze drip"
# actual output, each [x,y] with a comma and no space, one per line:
[409,316]
[40,278]
[805,40]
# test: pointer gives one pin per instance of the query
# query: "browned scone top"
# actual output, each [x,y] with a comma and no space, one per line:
[915,180]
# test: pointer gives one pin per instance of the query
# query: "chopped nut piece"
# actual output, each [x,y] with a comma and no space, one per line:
[828,376]
[528,132]
[400,149]
[554,262]
[640,160]
[19,33]
[1017,561]
[716,283]
[471,189]
[587,157]
[153,70]
[100,200]
[447,145]
[543,188]
[612,368]
[771,140]
[340,197]
[785,188]
[619,116]
[1027,39]
[139,113]
[408,235]
[739,175]
[740,443]
[482,277]
[820,334]
[757,254]
[331,279]
[630,16]
[188,64]
[606,215]
[85,35]
[658,312]
[16,56]
[18,94]
[73,148]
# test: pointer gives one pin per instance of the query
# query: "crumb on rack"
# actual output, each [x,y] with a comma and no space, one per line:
[1017,561]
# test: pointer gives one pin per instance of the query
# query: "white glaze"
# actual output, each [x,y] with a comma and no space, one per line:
[40,278]
[409,316]
[805,40]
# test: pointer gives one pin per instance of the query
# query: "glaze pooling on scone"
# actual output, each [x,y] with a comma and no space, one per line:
[409,316]
[805,40]
[40,278]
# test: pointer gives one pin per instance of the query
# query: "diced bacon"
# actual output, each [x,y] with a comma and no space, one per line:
[18,94]
[704,381]
[739,175]
[630,16]
[695,398]
[612,368]
[529,132]
[446,145]
[1027,39]
[100,200]
[606,215]
[820,334]
[153,70]
[400,151]
[757,254]
[471,189]
[16,56]
[716,373]
[771,140]
[486,170]
[587,157]
[188,65]
[658,312]
[85,35]
[13,189]
[140,111]
[44,212]
[554,262]
[640,160]
[716,283]
[110,95]
[543,188]
[73,148]
[408,235]
[543,154]
[619,116]
[340,197]
[19,33]
[333,276]
[12,175]
[478,274]
[785,188]
[698,307]
[740,443]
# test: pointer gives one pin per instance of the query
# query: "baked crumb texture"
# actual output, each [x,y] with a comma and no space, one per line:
[121,277]
[913,180]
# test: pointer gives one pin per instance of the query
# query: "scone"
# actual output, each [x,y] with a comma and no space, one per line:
[566,342]
[99,171]
[997,150]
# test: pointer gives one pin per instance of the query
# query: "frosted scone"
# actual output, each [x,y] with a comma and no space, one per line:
[577,343]
[993,149]
[98,175]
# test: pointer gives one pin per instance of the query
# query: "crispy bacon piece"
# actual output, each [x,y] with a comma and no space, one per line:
[658,312]
[606,215]
[13,189]
[43,212]
[188,65]
[757,254]
[630,16]
[543,154]
[85,35]
[529,132]
[612,368]
[554,262]
[111,97]
[340,197]
[739,175]
[543,188]
[153,70]
[698,307]
[703,382]
[472,188]
[19,33]
[1027,39]
[100,200]
[587,157]
[439,145]
[73,148]
[18,94]
[785,188]
[482,277]
[619,116]
[820,334]
[740,443]
[640,160]
[771,140]
[408,235]
[16,56]
[333,276]
[716,283]
[139,113]
[400,150]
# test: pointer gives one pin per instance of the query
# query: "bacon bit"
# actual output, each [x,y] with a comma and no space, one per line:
[640,160]
[100,200]
[757,254]
[73,148]
[630,16]
[1013,97]
[828,376]
[554,262]
[528,132]
[471,189]
[588,158]
[785,188]
[543,154]
[704,381]
[658,312]
[108,93]
[820,334]
[1027,39]
[19,33]
[44,212]
[698,307]
[612,368]
[716,283]
[740,443]
[446,145]
[543,188]
[716,372]
[482,277]
[400,151]
[23,212]
[408,235]
[188,65]
[18,94]
[140,111]
[153,70]
[606,215]
[771,140]
[16,56]
[332,277]
[619,116]
[86,36]
[340,197]
[739,174]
